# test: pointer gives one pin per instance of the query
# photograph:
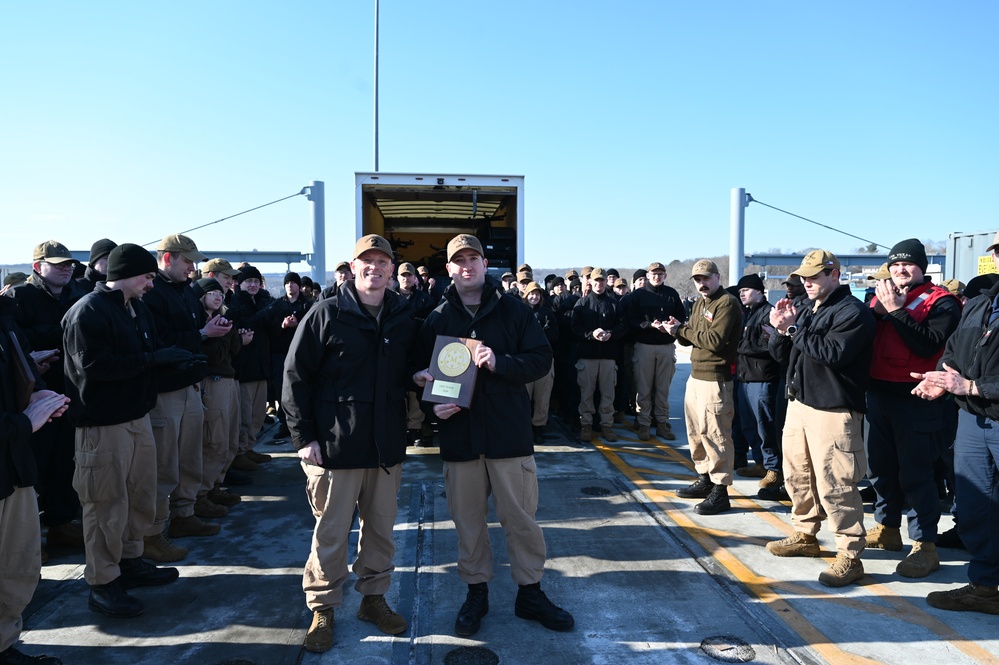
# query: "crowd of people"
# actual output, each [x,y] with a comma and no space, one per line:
[780,392]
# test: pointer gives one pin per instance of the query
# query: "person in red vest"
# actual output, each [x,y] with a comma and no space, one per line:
[907,434]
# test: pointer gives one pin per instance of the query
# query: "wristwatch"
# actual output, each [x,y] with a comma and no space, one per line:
[791,330]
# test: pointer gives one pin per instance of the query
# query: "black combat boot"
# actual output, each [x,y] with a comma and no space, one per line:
[717,502]
[698,489]
[475,607]
[533,604]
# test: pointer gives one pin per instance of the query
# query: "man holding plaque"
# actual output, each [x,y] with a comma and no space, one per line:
[344,395]
[488,447]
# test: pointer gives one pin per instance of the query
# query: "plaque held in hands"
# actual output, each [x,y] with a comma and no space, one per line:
[453,370]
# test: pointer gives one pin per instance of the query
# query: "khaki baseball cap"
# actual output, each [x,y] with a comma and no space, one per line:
[423,270]
[524,276]
[572,274]
[407,269]
[955,286]
[220,265]
[375,242]
[533,286]
[181,244]
[463,241]
[343,265]
[656,265]
[815,262]
[793,280]
[881,273]
[598,273]
[704,268]
[51,251]
[525,267]
[507,274]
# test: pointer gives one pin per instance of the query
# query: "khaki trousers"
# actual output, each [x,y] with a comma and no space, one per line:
[654,366]
[252,409]
[708,407]
[513,482]
[333,494]
[414,414]
[593,373]
[116,480]
[20,560]
[823,462]
[540,392]
[178,421]
[221,443]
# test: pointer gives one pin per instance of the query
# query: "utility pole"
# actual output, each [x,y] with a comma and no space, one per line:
[317,194]
[376,86]
[737,235]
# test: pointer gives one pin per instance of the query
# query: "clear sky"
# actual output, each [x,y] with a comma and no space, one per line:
[631,121]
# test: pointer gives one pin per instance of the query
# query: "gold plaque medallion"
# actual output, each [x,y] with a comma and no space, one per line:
[454,359]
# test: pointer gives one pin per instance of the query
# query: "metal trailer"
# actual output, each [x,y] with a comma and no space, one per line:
[967,256]
[418,213]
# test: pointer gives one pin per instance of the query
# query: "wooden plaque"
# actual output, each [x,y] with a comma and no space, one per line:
[453,370]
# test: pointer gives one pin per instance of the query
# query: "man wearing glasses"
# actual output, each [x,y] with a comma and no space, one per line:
[41,302]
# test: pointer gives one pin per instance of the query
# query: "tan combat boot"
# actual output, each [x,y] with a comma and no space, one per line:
[159,548]
[378,612]
[320,635]
[772,479]
[799,544]
[885,538]
[922,560]
[842,571]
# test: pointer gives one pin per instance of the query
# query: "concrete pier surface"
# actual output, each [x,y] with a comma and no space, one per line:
[648,580]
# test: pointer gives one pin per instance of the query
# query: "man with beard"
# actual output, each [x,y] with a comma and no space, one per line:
[713,330]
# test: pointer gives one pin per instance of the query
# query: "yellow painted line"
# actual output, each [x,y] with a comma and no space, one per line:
[763,588]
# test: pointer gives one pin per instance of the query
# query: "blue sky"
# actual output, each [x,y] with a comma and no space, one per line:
[631,121]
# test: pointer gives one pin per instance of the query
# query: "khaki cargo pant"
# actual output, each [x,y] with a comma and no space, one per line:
[333,494]
[221,399]
[20,560]
[540,392]
[593,373]
[252,409]
[513,483]
[823,462]
[654,366]
[178,421]
[708,408]
[116,480]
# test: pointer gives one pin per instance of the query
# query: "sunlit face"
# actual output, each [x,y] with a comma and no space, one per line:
[534,298]
[559,288]
[507,282]
[372,271]
[291,289]
[906,274]
[467,269]
[212,301]
[706,286]
[522,285]
[821,285]
[750,296]
[101,265]
[176,266]
[621,288]
[55,274]
[598,286]
[342,275]
[135,287]
[655,277]
[251,285]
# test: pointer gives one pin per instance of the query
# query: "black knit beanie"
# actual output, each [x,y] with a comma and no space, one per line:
[752,281]
[910,251]
[101,248]
[249,272]
[128,260]
[293,277]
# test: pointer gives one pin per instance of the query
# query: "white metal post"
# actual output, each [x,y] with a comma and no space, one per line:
[317,194]
[737,236]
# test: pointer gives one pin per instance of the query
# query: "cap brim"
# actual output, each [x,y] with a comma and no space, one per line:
[991,247]
[702,274]
[808,272]
[195,256]
[58,259]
